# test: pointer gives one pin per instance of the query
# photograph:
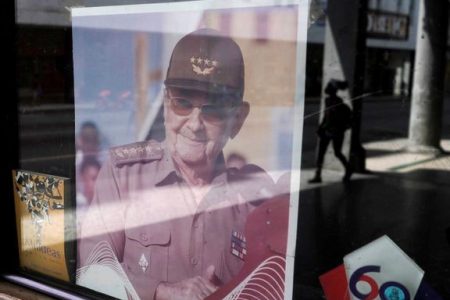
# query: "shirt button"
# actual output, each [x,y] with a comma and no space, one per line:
[144,237]
[195,225]
[194,261]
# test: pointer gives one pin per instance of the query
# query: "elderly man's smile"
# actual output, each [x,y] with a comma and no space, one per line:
[192,141]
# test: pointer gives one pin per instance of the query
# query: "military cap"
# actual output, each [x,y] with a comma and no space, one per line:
[205,60]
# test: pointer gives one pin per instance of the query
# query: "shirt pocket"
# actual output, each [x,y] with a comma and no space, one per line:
[147,250]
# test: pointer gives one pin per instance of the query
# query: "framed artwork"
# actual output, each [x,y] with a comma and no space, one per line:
[188,128]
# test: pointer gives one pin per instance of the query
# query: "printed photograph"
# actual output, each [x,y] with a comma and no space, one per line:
[186,120]
[39,205]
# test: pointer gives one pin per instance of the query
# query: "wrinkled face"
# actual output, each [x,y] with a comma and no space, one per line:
[198,125]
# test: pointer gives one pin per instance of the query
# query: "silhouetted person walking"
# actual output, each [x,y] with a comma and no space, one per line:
[336,120]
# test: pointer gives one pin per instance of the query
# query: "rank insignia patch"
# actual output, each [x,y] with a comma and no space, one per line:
[238,245]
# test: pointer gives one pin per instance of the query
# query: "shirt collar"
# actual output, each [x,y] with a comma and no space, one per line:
[166,172]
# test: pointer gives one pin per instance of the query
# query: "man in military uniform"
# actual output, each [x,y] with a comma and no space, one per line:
[172,212]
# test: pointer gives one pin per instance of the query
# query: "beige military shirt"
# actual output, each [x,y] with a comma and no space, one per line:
[155,226]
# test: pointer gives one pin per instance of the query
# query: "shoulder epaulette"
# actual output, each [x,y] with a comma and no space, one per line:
[137,152]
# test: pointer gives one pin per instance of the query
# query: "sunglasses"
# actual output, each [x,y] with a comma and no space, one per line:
[210,112]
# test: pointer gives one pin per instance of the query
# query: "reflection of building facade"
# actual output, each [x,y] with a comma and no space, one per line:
[391,33]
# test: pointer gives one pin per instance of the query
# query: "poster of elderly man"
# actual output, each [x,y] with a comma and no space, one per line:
[177,89]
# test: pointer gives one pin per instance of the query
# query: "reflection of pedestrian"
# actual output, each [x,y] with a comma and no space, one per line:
[181,232]
[336,120]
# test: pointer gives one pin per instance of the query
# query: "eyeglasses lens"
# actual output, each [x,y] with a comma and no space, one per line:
[210,112]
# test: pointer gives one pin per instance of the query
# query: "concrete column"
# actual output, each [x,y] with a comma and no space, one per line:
[344,59]
[429,77]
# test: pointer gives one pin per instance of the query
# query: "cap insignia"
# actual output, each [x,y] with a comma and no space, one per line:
[203,66]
